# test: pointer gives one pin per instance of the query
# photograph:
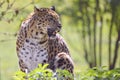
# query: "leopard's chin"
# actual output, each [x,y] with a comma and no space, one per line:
[52,34]
[52,37]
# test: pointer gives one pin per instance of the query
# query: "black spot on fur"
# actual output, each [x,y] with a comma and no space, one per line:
[41,33]
[63,68]
[32,44]
[31,30]
[41,50]
[67,60]
[36,60]
[37,55]
[61,60]
[44,61]
[23,48]
[36,33]
[30,57]
[44,48]
[59,65]
[27,52]
[53,67]
[68,65]
[64,62]
[39,23]
[25,33]
[21,60]
[51,55]
[22,53]
[27,40]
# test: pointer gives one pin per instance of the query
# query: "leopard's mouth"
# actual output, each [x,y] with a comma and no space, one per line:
[52,32]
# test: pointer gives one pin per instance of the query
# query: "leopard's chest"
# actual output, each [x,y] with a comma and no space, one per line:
[32,53]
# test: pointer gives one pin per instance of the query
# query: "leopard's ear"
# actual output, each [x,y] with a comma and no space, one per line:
[52,8]
[36,9]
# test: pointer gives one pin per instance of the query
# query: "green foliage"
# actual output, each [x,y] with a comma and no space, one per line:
[72,22]
[100,74]
[39,73]
[42,73]
[63,75]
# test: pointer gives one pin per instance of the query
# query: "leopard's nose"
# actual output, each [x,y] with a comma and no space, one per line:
[59,26]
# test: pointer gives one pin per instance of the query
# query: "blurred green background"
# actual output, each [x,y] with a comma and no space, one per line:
[91,29]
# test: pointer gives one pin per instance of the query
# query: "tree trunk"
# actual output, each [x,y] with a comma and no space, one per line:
[95,20]
[116,51]
[100,42]
[110,35]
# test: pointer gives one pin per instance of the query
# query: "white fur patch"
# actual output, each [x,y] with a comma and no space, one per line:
[33,54]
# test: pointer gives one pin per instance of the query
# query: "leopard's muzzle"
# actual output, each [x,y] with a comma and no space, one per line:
[52,32]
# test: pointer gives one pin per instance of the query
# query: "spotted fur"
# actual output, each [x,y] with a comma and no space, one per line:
[38,42]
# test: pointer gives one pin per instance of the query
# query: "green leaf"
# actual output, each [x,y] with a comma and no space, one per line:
[19,75]
[45,66]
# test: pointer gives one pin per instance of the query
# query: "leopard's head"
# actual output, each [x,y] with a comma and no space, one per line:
[47,20]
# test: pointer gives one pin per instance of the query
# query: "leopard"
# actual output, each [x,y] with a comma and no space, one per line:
[39,42]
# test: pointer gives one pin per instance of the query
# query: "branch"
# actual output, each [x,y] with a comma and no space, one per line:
[5,40]
[9,9]
[8,34]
